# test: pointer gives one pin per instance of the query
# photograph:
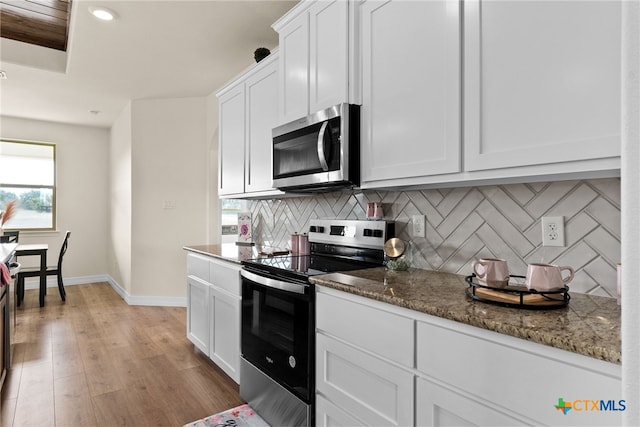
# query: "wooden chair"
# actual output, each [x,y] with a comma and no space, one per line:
[10,237]
[51,271]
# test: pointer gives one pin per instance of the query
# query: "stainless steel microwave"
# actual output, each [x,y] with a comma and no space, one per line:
[320,152]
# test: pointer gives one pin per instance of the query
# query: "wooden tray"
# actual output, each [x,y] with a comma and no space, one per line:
[517,296]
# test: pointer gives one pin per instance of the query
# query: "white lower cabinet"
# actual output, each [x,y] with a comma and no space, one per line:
[328,414]
[378,364]
[213,310]
[368,388]
[363,358]
[224,347]
[510,377]
[198,313]
[439,406]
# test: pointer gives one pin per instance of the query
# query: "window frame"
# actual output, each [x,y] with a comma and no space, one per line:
[54,187]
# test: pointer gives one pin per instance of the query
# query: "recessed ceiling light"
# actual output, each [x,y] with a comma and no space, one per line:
[103,13]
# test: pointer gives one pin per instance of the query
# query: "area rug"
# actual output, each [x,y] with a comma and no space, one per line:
[241,416]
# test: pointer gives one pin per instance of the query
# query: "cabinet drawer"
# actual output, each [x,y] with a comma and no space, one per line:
[367,388]
[439,406]
[382,332]
[525,378]
[225,275]
[329,415]
[198,266]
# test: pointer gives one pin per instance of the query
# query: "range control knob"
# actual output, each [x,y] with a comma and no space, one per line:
[313,229]
[367,232]
[320,229]
[377,233]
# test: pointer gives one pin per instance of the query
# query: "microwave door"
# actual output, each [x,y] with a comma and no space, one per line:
[317,152]
[301,157]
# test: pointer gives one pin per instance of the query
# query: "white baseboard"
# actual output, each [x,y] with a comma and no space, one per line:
[160,301]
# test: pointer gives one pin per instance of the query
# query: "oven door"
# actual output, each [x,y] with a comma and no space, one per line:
[278,331]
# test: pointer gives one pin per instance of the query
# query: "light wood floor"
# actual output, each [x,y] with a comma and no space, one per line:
[96,361]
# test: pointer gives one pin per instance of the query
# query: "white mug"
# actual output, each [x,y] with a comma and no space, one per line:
[547,277]
[492,272]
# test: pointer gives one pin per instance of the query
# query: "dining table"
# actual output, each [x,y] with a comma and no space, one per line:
[37,249]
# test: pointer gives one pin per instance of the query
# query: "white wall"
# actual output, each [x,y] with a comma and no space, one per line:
[213,212]
[119,248]
[631,211]
[169,164]
[82,193]
[112,189]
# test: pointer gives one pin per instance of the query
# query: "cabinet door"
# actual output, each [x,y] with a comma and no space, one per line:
[231,106]
[329,415]
[368,388]
[198,313]
[542,82]
[438,406]
[294,69]
[410,88]
[329,54]
[262,116]
[225,332]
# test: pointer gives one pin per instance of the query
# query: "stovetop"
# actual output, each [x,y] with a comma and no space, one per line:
[336,245]
[308,265]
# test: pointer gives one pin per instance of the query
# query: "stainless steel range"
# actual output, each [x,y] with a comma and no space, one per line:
[277,371]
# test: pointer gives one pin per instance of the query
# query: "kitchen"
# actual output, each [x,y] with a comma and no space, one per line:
[134,199]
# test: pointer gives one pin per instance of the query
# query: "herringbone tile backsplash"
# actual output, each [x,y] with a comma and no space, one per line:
[472,222]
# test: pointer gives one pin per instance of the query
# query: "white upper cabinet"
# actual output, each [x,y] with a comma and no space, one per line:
[410,52]
[247,113]
[328,54]
[294,68]
[231,140]
[481,91]
[261,116]
[542,82]
[314,57]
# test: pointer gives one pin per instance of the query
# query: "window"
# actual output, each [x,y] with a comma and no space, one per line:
[229,218]
[27,174]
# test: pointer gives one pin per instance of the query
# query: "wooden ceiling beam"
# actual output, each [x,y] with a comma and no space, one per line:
[40,22]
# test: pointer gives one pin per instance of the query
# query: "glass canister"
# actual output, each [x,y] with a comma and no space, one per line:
[295,239]
[303,244]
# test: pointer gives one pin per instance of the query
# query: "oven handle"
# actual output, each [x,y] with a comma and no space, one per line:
[273,283]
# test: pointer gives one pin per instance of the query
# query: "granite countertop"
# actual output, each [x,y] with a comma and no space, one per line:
[235,253]
[589,325]
[225,251]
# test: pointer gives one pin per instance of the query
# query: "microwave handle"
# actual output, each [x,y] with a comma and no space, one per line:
[321,156]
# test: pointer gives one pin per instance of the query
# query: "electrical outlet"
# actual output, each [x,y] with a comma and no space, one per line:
[418,222]
[552,231]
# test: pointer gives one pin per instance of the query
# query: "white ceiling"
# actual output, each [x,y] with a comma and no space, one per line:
[154,49]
